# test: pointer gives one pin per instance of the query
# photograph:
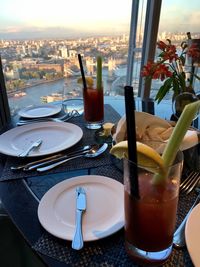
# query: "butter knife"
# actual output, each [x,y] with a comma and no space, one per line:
[77,242]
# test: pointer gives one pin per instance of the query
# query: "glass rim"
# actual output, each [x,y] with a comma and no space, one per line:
[179,159]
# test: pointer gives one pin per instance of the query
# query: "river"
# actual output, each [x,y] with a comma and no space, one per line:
[34,93]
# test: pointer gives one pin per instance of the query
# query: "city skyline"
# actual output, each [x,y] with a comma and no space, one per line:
[40,19]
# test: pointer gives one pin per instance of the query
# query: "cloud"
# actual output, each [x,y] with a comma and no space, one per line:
[175,19]
[54,32]
[38,32]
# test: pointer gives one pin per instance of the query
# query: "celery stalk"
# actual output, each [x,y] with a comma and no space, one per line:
[99,73]
[177,136]
[179,132]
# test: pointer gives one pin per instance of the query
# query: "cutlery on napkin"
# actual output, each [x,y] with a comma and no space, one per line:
[77,242]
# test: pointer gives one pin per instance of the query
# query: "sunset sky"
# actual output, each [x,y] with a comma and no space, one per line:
[34,17]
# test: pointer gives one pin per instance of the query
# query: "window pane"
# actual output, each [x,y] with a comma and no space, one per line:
[176,19]
[39,48]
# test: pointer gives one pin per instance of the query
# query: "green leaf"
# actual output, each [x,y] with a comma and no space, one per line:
[176,87]
[164,89]
[181,79]
[182,59]
[161,54]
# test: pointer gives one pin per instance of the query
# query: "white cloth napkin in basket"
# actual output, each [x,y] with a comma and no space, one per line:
[151,127]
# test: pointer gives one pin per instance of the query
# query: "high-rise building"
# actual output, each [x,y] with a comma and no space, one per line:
[64,52]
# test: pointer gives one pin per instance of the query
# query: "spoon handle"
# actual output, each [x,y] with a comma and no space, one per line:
[51,166]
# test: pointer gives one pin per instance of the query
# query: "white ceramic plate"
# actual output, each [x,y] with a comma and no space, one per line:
[56,136]
[44,110]
[192,235]
[105,207]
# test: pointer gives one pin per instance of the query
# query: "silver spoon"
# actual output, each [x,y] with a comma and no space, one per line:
[93,152]
[33,146]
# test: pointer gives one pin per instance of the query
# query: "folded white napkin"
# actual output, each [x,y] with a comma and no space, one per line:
[151,127]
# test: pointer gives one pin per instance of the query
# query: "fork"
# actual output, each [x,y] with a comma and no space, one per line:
[31,147]
[190,182]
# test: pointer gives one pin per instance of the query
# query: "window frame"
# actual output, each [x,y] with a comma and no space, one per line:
[5,116]
[149,43]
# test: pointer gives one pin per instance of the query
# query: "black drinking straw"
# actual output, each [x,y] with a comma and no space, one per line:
[131,137]
[82,71]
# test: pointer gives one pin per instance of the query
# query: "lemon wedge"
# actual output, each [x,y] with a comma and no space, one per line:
[89,81]
[147,157]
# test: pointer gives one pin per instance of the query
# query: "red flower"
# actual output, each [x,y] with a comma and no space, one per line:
[170,53]
[169,68]
[156,71]
[162,72]
[161,45]
[148,70]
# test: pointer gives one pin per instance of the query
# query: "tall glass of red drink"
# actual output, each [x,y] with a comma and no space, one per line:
[150,218]
[93,107]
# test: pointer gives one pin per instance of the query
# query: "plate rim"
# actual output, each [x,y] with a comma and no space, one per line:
[55,110]
[33,126]
[74,181]
[188,227]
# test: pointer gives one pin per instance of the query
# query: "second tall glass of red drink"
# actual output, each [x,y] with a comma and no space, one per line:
[93,107]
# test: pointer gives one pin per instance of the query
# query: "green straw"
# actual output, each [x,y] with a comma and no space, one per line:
[99,73]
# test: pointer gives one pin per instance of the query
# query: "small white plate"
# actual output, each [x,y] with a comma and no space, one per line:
[56,136]
[40,111]
[192,235]
[105,207]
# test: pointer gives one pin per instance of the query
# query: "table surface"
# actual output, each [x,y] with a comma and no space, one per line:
[21,197]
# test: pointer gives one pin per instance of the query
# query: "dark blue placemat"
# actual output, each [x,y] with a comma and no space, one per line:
[88,138]
[109,251]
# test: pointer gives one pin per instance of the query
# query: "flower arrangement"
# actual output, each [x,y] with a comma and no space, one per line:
[171,68]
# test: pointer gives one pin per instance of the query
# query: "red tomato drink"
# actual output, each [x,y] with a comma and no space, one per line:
[150,218]
[93,107]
